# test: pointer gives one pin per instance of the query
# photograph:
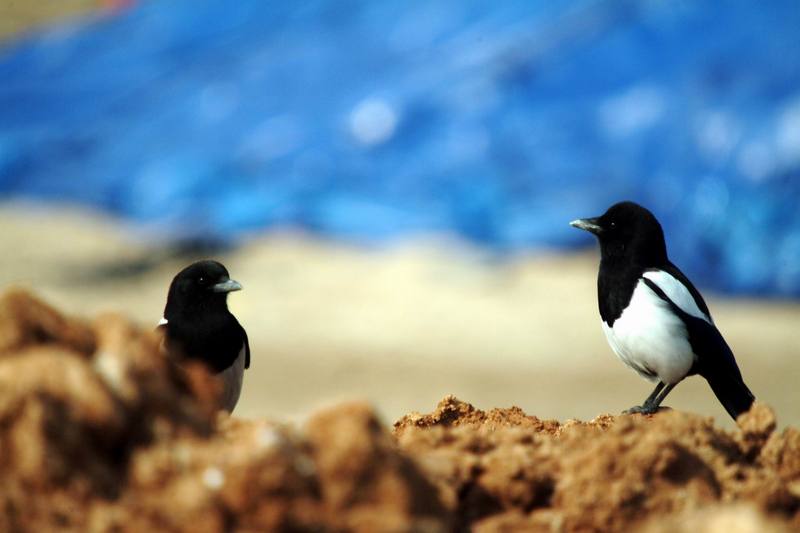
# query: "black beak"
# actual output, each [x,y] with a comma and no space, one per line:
[589,224]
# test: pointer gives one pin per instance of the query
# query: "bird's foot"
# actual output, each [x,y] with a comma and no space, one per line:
[645,409]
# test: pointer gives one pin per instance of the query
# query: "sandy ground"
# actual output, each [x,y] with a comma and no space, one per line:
[399,327]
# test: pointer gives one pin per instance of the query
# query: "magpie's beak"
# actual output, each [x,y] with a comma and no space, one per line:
[228,285]
[588,224]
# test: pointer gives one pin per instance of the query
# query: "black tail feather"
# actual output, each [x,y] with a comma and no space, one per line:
[732,393]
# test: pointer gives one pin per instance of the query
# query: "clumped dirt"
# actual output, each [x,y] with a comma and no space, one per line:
[503,470]
[99,433]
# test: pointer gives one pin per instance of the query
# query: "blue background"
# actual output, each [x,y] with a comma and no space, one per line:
[370,121]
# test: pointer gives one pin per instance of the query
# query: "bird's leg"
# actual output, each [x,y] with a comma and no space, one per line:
[657,402]
[652,402]
[654,394]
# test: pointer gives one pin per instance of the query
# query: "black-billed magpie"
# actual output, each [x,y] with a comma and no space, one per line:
[198,326]
[654,318]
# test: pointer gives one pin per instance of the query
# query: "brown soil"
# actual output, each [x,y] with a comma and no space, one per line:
[504,470]
[99,433]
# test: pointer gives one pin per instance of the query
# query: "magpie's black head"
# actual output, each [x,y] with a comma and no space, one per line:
[627,230]
[203,285]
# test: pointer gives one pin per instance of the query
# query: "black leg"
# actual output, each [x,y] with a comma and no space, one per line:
[652,402]
[663,395]
[654,394]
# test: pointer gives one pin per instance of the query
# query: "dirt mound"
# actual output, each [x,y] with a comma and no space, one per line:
[99,433]
[506,471]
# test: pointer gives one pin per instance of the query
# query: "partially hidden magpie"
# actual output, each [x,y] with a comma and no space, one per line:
[654,318]
[198,326]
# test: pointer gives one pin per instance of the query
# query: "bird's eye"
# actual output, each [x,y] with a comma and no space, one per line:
[613,224]
[201,280]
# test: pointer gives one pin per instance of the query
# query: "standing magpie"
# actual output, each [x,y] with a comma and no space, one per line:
[654,318]
[198,326]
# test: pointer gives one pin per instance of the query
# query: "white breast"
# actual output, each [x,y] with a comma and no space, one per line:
[232,382]
[649,337]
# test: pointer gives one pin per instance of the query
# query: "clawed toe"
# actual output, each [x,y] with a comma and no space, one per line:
[638,409]
[644,409]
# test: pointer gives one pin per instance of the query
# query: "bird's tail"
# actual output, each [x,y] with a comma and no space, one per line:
[731,392]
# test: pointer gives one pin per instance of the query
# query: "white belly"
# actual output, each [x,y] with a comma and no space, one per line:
[651,339]
[231,379]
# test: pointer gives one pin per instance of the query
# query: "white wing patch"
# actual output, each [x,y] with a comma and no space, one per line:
[163,321]
[678,293]
[650,338]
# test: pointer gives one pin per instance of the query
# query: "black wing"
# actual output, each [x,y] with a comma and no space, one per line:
[246,348]
[241,336]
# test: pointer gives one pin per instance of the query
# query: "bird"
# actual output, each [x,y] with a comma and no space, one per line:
[198,326]
[654,318]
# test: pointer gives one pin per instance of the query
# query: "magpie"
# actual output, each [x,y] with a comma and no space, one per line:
[197,326]
[655,320]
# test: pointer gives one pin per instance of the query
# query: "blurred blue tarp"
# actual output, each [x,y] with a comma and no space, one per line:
[368,121]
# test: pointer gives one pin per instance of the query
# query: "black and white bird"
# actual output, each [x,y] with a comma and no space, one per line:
[654,318]
[198,326]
